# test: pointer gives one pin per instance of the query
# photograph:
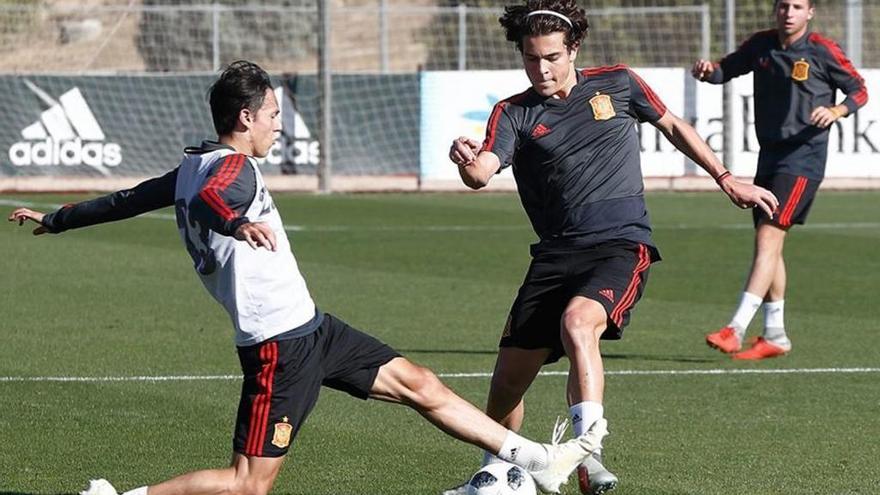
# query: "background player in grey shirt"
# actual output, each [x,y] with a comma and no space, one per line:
[796,76]
[571,139]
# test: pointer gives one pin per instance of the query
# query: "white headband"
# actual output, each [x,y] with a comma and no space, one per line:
[550,12]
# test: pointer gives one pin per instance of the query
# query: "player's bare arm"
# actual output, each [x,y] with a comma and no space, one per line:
[702,69]
[685,138]
[256,234]
[474,166]
[825,116]
[21,215]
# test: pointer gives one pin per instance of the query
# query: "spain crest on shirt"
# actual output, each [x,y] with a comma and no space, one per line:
[602,107]
[801,70]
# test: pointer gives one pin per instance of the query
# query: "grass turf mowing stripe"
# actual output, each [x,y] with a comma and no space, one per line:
[182,378]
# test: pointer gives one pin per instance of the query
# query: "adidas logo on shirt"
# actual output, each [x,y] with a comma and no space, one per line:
[67,134]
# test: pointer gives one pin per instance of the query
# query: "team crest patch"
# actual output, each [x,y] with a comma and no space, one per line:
[801,70]
[281,438]
[602,107]
[506,332]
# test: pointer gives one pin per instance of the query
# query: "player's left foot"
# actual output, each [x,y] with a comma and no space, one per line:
[725,340]
[99,487]
[763,349]
[564,458]
[594,478]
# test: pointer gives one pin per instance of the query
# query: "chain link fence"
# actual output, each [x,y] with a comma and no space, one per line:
[138,51]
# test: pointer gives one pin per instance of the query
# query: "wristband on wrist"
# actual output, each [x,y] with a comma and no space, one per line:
[837,113]
[721,177]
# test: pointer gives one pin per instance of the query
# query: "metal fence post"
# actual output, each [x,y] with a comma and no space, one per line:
[705,31]
[854,40]
[462,36]
[325,165]
[729,46]
[215,37]
[383,35]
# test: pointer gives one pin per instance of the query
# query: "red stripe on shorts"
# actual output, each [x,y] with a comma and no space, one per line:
[791,205]
[263,401]
[632,289]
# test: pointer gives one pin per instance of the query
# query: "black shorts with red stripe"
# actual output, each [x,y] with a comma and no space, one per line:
[283,377]
[795,194]
[613,274]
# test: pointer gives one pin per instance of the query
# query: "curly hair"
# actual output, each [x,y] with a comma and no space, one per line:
[517,23]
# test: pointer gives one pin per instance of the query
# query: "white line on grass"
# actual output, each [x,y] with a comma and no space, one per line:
[186,378]
[477,228]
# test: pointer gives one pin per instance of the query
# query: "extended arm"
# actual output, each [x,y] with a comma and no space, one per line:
[149,195]
[733,65]
[685,139]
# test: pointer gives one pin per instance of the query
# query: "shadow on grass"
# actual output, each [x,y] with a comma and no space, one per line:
[658,358]
[490,352]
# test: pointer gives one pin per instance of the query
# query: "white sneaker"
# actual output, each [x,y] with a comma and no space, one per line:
[564,458]
[594,478]
[99,487]
[461,489]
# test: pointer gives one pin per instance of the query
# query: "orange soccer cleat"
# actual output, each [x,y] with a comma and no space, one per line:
[725,340]
[762,349]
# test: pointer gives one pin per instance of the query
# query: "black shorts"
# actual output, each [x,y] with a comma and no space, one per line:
[612,274]
[282,379]
[795,194]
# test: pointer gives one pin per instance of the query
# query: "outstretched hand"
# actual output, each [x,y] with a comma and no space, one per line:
[702,69]
[747,195]
[256,234]
[21,215]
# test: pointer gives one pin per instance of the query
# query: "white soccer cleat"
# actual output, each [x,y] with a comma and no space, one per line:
[564,458]
[461,489]
[99,487]
[594,478]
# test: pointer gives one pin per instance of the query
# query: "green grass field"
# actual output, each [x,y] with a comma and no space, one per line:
[434,275]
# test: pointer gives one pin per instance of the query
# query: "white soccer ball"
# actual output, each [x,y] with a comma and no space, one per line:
[501,478]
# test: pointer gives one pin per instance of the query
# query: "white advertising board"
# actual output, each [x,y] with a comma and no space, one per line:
[458,103]
[853,146]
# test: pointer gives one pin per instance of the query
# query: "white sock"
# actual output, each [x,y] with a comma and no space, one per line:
[137,491]
[523,452]
[774,314]
[774,322]
[584,414]
[748,306]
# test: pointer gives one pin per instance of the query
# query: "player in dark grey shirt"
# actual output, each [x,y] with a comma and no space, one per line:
[572,141]
[796,76]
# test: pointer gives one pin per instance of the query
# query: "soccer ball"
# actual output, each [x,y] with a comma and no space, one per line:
[501,478]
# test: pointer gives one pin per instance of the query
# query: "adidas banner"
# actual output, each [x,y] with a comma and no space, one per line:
[138,125]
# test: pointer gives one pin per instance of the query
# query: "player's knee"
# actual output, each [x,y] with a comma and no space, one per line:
[423,390]
[583,327]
